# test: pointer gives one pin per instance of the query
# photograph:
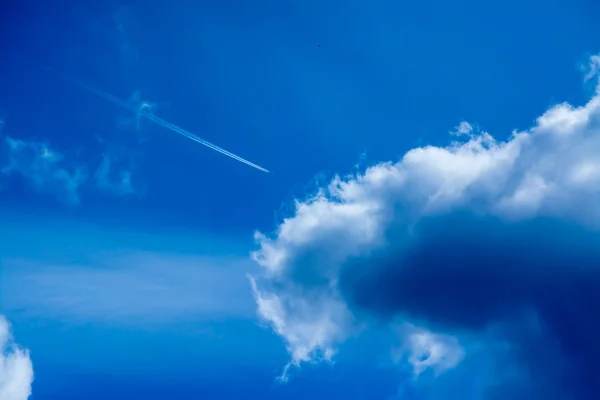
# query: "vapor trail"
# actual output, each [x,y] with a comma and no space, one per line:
[165,124]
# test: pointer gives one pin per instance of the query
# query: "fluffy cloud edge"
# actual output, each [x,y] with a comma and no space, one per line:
[517,179]
[16,368]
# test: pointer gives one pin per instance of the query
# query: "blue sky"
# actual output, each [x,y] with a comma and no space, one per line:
[427,229]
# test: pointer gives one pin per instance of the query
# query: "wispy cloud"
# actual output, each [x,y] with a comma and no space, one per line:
[53,172]
[123,21]
[131,287]
[139,106]
[425,350]
[16,370]
[109,179]
[593,68]
[45,168]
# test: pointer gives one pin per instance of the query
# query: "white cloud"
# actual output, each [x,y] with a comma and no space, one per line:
[16,370]
[464,128]
[309,333]
[45,168]
[425,350]
[550,170]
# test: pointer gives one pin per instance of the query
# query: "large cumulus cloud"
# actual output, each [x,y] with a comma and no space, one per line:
[474,240]
[16,372]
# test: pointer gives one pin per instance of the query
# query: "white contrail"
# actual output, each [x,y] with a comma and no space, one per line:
[148,115]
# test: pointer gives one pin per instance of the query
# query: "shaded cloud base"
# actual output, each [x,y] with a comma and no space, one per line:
[490,272]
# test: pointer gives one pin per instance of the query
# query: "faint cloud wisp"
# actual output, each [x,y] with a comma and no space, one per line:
[45,168]
[132,287]
[116,181]
[52,172]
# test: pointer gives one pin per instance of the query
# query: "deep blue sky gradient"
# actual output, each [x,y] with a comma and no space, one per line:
[305,89]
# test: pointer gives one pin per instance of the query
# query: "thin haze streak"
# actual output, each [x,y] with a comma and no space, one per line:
[162,122]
